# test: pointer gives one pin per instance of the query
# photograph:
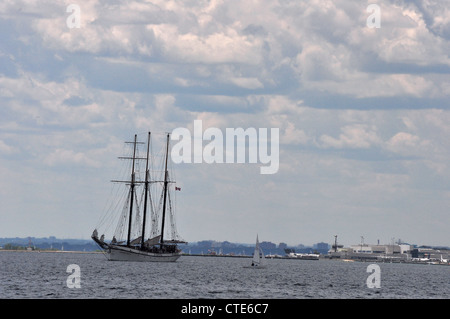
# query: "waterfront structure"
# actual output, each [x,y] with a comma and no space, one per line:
[390,253]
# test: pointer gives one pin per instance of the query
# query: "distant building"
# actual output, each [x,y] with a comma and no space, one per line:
[322,246]
[373,252]
[381,249]
[267,245]
[431,253]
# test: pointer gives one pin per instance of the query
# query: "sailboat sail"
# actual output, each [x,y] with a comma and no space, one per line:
[258,260]
[141,232]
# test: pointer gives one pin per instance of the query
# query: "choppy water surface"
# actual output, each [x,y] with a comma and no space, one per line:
[43,275]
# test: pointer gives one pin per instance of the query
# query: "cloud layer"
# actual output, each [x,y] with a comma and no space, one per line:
[362,112]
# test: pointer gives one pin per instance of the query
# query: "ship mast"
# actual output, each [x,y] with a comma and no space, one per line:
[132,191]
[166,174]
[146,192]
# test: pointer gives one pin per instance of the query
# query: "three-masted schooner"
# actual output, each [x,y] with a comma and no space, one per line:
[154,249]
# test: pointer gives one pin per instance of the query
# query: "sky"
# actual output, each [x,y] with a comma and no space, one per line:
[362,112]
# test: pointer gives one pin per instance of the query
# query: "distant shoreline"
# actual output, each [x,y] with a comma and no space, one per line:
[51,251]
[211,255]
[231,256]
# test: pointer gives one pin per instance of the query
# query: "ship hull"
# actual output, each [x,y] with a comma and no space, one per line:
[117,253]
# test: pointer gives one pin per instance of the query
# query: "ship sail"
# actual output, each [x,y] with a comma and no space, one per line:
[142,232]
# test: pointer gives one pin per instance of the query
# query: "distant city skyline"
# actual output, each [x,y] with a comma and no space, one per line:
[358,93]
[78,244]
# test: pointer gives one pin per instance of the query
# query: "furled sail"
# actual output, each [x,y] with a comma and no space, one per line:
[153,241]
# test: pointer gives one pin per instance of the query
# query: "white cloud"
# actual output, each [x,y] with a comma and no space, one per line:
[352,136]
[5,148]
[69,157]
[403,139]
[248,83]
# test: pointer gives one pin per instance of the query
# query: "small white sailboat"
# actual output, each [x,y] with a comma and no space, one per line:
[258,260]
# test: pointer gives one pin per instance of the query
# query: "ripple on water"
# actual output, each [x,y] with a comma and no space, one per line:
[33,275]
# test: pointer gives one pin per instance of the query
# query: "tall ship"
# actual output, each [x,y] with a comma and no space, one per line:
[145,228]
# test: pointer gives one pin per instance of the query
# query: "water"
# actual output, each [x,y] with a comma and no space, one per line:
[43,275]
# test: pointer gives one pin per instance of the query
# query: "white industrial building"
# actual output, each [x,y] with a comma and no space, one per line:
[392,252]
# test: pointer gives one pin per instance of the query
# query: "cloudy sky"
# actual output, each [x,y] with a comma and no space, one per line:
[362,112]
